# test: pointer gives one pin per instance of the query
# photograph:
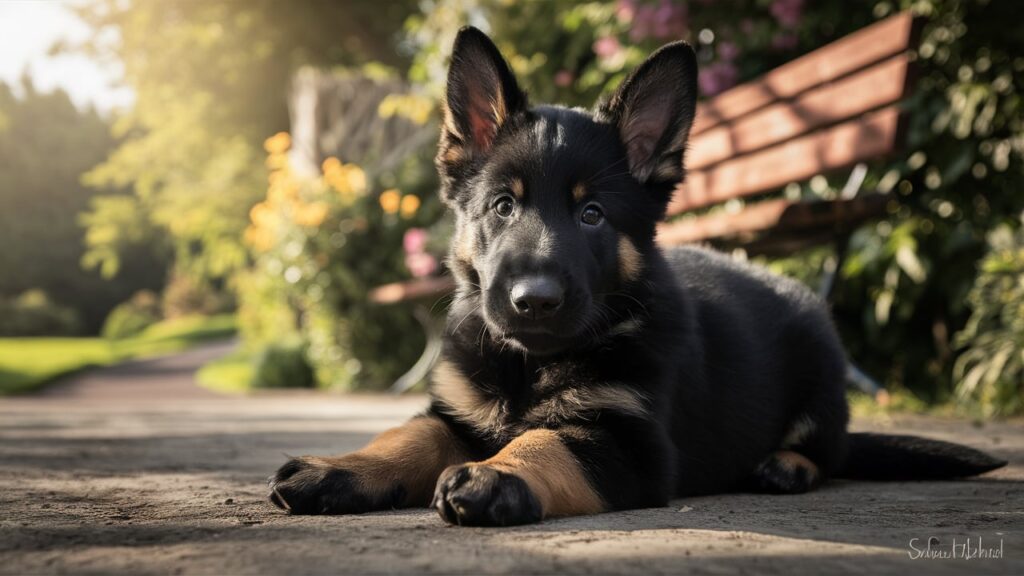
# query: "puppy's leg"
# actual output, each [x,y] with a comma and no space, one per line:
[786,472]
[399,468]
[544,473]
[811,450]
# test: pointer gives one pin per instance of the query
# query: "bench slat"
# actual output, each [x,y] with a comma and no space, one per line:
[848,54]
[420,289]
[776,215]
[869,137]
[862,92]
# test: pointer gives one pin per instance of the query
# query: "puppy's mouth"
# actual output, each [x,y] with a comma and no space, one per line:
[539,342]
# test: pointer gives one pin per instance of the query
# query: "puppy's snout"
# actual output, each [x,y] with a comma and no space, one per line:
[536,297]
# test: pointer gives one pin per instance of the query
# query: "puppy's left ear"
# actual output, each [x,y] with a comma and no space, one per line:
[654,110]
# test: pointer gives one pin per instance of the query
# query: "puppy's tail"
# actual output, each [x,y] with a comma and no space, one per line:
[890,457]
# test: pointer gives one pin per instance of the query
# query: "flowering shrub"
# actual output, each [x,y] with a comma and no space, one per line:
[319,245]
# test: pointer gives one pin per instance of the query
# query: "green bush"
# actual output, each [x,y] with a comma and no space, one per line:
[283,365]
[990,372]
[34,314]
[132,317]
[184,295]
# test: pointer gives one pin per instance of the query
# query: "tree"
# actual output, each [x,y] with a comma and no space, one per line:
[45,146]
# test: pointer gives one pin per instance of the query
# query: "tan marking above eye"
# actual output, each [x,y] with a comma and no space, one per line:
[579,191]
[517,187]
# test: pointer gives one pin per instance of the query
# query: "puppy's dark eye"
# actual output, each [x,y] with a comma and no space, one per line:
[504,206]
[592,215]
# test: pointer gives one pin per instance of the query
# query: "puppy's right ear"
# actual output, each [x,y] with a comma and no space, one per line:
[482,95]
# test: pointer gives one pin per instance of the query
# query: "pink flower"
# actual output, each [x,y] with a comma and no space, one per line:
[421,264]
[625,10]
[717,77]
[606,47]
[564,78]
[415,240]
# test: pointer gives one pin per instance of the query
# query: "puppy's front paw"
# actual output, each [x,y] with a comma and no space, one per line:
[478,495]
[322,486]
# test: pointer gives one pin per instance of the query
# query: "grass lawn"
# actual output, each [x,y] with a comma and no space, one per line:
[27,363]
[231,374]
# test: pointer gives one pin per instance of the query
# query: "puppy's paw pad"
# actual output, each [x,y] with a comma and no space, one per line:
[478,495]
[311,486]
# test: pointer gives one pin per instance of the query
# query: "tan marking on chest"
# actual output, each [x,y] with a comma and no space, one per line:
[574,403]
[465,401]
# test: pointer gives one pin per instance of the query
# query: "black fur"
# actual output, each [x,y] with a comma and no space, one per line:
[304,487]
[890,457]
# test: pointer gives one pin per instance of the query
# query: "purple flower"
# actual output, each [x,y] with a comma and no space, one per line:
[717,78]
[415,240]
[728,51]
[787,12]
[667,19]
[564,78]
[784,41]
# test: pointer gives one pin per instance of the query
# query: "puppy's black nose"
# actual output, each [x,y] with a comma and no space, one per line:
[536,296]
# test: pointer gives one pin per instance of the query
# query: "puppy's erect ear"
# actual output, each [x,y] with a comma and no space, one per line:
[482,95]
[654,109]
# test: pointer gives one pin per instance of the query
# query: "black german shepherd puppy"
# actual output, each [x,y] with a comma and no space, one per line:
[584,370]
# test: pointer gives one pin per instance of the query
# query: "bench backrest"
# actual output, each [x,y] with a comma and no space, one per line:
[829,109]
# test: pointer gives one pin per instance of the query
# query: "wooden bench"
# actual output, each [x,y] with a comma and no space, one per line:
[832,109]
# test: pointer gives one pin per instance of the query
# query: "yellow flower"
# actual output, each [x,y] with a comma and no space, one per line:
[278,143]
[261,214]
[410,204]
[311,215]
[347,179]
[356,178]
[390,200]
[330,165]
[409,106]
[259,238]
[277,161]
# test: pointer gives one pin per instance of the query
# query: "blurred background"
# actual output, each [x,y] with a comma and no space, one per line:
[174,173]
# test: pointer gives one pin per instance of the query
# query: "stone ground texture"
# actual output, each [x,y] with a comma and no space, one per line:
[134,469]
